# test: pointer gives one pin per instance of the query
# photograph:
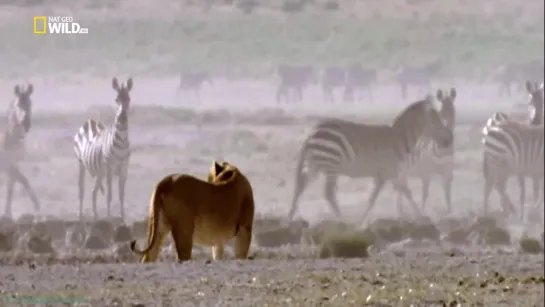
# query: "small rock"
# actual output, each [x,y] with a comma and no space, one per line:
[94,242]
[6,241]
[103,229]
[123,252]
[75,236]
[139,229]
[122,234]
[40,245]
[26,219]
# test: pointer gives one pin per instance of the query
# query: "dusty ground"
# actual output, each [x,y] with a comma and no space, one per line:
[263,139]
[238,120]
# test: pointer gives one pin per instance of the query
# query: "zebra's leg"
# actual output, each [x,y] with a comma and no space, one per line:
[403,90]
[81,188]
[369,91]
[108,191]
[9,195]
[302,180]
[446,180]
[378,186]
[121,191]
[280,93]
[299,94]
[425,190]
[522,186]
[488,185]
[17,175]
[536,183]
[96,188]
[403,188]
[348,95]
[505,199]
[331,193]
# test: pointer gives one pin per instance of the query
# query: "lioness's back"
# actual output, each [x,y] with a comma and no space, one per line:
[216,208]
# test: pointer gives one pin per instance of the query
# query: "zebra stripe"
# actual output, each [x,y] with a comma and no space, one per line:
[511,148]
[535,118]
[428,158]
[104,152]
[338,147]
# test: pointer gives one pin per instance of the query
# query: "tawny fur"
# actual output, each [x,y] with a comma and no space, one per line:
[196,211]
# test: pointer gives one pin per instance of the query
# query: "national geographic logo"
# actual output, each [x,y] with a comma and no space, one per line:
[57,25]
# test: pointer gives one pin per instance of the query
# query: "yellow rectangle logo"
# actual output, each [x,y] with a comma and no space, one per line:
[40,21]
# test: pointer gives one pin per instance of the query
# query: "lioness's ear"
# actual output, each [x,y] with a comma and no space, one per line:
[217,168]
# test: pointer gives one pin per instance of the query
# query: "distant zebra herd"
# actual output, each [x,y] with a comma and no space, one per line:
[419,142]
[356,82]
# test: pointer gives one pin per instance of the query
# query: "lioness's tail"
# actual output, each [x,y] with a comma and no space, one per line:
[162,188]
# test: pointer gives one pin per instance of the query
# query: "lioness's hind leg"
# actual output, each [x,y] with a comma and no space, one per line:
[183,239]
[217,252]
[242,242]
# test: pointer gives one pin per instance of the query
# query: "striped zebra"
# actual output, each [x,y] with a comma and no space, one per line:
[332,77]
[293,79]
[511,148]
[193,81]
[358,78]
[419,76]
[105,152]
[429,158]
[338,147]
[19,122]
[495,122]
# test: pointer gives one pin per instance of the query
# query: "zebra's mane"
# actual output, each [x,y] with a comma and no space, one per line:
[415,109]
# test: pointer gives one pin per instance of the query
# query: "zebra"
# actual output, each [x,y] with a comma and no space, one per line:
[339,147]
[333,76]
[535,111]
[105,152]
[294,78]
[193,81]
[510,148]
[420,76]
[358,77]
[19,122]
[429,158]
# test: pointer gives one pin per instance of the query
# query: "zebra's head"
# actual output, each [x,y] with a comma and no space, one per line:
[123,98]
[535,91]
[23,105]
[448,111]
[421,119]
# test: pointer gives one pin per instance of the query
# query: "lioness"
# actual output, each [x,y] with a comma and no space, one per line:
[207,213]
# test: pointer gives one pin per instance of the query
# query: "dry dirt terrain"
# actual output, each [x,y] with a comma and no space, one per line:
[238,120]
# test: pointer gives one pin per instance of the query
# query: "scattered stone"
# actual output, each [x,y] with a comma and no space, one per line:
[530,246]
[139,229]
[103,229]
[75,236]
[40,244]
[123,252]
[277,237]
[122,234]
[458,236]
[345,245]
[94,242]
[6,241]
[26,219]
